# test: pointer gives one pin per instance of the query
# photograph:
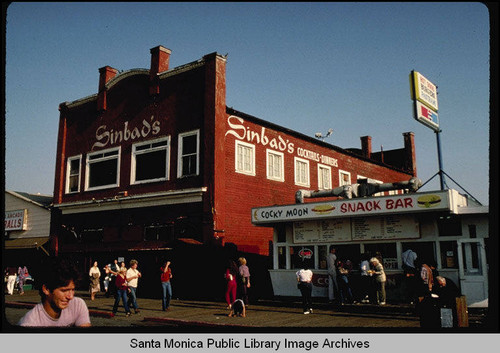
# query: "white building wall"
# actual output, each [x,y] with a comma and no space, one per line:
[38,218]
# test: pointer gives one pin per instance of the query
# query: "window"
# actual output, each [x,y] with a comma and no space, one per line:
[275,165]
[73,170]
[159,232]
[189,151]
[150,161]
[387,251]
[102,169]
[448,254]
[449,225]
[302,256]
[245,158]
[344,178]
[92,235]
[324,177]
[281,257]
[301,172]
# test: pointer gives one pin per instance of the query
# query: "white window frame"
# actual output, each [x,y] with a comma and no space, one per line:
[279,155]
[89,162]
[251,147]
[68,173]
[321,182]
[341,179]
[135,153]
[180,153]
[298,182]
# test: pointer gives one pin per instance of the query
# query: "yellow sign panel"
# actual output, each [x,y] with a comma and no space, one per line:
[423,90]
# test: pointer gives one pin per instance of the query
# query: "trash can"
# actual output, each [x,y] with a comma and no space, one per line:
[429,311]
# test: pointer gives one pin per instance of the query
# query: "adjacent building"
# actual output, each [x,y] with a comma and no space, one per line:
[26,227]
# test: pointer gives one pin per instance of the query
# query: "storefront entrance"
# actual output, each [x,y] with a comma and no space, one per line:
[473,272]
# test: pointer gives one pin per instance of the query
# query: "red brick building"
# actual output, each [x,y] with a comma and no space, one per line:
[157,156]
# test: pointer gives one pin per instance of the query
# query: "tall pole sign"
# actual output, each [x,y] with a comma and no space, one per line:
[425,109]
[424,95]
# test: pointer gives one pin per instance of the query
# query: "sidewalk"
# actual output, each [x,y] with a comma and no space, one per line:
[213,315]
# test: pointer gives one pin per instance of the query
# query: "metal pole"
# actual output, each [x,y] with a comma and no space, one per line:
[441,176]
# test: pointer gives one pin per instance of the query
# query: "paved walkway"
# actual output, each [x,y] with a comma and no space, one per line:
[214,315]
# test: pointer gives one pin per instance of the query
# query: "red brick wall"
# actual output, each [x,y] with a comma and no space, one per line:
[179,108]
[243,192]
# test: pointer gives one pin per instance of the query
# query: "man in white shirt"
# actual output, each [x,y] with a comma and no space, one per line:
[133,276]
[331,261]
[59,306]
[304,279]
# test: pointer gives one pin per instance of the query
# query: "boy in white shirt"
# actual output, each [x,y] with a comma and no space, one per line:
[59,306]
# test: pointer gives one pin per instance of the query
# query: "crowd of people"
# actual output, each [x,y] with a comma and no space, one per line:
[57,286]
[16,278]
[421,280]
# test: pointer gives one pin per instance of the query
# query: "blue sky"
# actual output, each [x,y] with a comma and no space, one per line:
[306,66]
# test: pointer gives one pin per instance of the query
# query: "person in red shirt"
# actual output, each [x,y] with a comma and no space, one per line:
[122,289]
[166,275]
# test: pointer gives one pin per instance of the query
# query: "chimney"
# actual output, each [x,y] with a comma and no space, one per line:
[106,73]
[409,151]
[160,57]
[366,146]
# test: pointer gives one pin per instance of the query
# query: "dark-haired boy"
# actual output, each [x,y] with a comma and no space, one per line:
[59,306]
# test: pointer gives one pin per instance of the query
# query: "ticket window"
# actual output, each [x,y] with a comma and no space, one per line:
[343,252]
[426,251]
[386,250]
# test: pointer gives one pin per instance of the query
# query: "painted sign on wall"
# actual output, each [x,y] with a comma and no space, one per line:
[15,220]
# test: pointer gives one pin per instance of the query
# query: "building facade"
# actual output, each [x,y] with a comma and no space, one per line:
[157,158]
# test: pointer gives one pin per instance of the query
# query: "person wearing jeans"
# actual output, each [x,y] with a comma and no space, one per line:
[133,276]
[166,275]
[121,292]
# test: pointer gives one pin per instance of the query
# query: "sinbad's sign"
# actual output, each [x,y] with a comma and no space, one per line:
[419,202]
[239,130]
[106,136]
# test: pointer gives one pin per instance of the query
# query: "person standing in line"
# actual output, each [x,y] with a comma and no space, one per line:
[58,306]
[107,279]
[95,285]
[365,279]
[244,273]
[121,292]
[22,273]
[331,261]
[409,258]
[133,276]
[11,279]
[231,286]
[344,270]
[427,278]
[380,279]
[166,275]
[304,279]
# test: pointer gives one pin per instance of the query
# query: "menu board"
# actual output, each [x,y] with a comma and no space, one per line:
[385,228]
[332,230]
[357,229]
